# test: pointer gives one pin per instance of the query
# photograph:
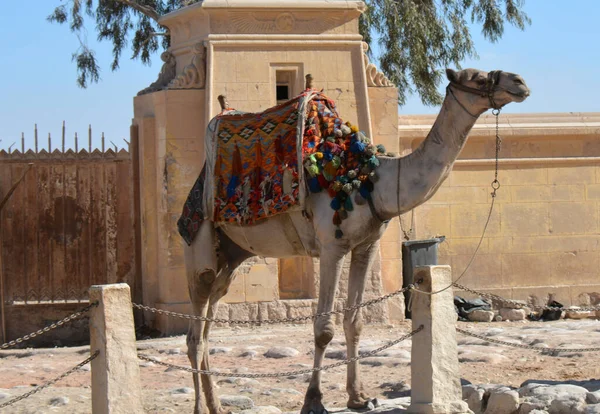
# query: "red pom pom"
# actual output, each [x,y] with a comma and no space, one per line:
[336,219]
[332,192]
[322,181]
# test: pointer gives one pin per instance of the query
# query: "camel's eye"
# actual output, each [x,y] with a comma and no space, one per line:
[518,82]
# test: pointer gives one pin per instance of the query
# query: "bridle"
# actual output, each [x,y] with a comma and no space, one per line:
[491,87]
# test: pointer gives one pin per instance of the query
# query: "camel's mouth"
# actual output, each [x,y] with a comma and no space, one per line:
[519,96]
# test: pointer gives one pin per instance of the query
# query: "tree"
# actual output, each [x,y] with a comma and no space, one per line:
[418,37]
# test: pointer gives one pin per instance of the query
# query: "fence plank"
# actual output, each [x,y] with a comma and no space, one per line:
[17,239]
[98,221]
[57,232]
[72,232]
[125,242]
[84,253]
[111,222]
[31,232]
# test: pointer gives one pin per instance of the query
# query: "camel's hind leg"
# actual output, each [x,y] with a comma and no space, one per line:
[230,257]
[201,267]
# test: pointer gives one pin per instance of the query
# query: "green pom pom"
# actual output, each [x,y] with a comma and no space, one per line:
[313,170]
[380,149]
[348,204]
[347,188]
[352,174]
[373,162]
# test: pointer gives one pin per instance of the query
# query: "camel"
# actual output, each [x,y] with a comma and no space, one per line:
[404,183]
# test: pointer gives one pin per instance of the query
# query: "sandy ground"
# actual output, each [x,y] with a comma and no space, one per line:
[167,390]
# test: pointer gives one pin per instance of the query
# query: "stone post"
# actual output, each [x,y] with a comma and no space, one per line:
[115,372]
[434,368]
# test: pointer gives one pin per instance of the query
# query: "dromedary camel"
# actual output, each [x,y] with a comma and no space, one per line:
[405,183]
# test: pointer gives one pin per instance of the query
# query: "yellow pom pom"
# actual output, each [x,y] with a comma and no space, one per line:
[354,129]
[318,155]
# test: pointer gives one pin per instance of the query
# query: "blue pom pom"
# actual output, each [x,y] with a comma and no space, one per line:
[373,162]
[380,149]
[335,204]
[235,181]
[328,156]
[339,234]
[357,147]
[313,185]
[364,192]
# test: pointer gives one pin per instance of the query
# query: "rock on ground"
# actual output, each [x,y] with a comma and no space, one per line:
[281,352]
[502,401]
[238,401]
[479,315]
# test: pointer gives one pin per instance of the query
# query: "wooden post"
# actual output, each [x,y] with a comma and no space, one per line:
[35,137]
[116,385]
[63,137]
[434,367]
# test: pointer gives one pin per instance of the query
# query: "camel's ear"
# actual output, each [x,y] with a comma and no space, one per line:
[452,75]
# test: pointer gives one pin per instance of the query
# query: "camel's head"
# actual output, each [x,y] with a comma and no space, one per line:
[484,90]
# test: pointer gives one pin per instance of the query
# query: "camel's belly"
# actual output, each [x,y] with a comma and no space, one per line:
[283,235]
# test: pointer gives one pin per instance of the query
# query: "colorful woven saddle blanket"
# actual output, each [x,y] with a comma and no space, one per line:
[254,163]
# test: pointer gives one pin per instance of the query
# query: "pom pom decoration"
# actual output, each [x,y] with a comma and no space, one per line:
[357,147]
[354,129]
[336,218]
[348,204]
[313,170]
[322,181]
[356,183]
[380,149]
[337,186]
[352,174]
[373,177]
[313,185]
[335,204]
[364,192]
[339,234]
[328,156]
[345,130]
[343,214]
[373,162]
[347,188]
[318,155]
[338,133]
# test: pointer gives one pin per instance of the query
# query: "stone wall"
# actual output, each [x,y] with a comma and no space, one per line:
[543,240]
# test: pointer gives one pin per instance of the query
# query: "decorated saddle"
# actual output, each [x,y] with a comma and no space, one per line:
[253,161]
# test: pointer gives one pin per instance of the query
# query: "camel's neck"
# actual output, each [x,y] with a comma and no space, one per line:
[409,181]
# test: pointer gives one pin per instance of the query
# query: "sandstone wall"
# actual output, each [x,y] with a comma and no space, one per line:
[543,240]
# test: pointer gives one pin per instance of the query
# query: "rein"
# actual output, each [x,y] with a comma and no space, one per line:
[492,86]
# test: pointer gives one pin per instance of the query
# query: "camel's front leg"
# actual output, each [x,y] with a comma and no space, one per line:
[332,259]
[362,259]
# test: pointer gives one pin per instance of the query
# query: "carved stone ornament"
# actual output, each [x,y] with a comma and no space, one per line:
[259,23]
[166,74]
[374,77]
[194,74]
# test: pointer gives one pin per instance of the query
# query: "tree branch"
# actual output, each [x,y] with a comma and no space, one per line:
[145,10]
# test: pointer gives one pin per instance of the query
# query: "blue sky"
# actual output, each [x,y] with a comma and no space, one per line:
[557,55]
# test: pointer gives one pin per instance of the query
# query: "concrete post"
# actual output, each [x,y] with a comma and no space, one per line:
[434,367]
[115,372]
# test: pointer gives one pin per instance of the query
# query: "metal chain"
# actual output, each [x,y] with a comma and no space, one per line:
[288,373]
[275,321]
[520,305]
[496,183]
[52,381]
[535,348]
[48,328]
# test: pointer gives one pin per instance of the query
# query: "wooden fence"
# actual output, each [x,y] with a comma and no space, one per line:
[68,225]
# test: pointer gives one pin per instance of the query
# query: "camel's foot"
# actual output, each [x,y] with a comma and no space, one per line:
[313,404]
[360,401]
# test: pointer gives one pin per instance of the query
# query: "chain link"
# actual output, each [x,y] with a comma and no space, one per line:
[48,328]
[288,373]
[535,348]
[520,305]
[52,381]
[275,321]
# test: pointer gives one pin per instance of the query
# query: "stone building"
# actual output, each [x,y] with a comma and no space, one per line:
[543,238]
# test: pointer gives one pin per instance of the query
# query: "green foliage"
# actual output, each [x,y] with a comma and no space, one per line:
[418,38]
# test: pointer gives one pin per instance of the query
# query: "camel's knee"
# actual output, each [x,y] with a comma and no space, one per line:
[200,285]
[324,331]
[353,324]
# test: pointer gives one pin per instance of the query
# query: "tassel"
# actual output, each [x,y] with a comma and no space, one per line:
[364,192]
[359,199]
[343,214]
[369,186]
[373,177]
[339,234]
[335,204]
[337,219]
[348,204]
[332,193]
[322,181]
[313,185]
